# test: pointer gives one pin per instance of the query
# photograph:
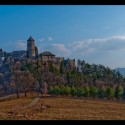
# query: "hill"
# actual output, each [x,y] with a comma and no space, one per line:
[121,70]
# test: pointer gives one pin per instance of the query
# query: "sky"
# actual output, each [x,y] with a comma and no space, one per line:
[94,33]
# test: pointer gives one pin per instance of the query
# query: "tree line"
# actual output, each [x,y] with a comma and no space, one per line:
[89,92]
[98,80]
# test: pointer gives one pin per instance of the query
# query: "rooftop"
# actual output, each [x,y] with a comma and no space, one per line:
[30,39]
[47,53]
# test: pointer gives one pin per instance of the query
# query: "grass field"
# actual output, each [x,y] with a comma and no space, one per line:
[52,108]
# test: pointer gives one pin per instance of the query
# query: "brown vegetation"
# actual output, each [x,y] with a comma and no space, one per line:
[61,108]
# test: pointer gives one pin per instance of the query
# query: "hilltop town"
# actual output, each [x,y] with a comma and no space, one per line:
[30,71]
[30,56]
[45,84]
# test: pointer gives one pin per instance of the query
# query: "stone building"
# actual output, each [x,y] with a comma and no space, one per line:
[19,54]
[47,56]
[31,48]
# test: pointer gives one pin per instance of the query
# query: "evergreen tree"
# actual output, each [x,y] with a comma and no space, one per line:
[123,94]
[73,91]
[56,90]
[79,92]
[93,91]
[118,92]
[101,93]
[67,90]
[109,93]
[62,89]
[86,92]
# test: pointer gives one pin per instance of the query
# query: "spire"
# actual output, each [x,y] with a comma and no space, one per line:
[30,39]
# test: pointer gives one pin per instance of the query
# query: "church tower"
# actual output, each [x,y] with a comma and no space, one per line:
[31,48]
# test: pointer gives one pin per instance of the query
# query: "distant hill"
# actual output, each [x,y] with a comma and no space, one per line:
[121,70]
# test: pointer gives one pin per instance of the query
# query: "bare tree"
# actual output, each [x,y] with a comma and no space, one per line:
[28,81]
[1,90]
[16,77]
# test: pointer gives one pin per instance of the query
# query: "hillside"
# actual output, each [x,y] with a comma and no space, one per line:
[121,70]
[61,108]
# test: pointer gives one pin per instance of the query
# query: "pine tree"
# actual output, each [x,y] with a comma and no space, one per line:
[86,92]
[93,91]
[109,93]
[73,91]
[118,92]
[123,94]
[101,93]
[79,92]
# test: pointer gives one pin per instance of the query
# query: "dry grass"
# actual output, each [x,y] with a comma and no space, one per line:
[52,108]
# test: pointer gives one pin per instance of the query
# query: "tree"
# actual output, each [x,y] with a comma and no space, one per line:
[56,90]
[51,90]
[68,76]
[123,94]
[62,89]
[39,77]
[51,67]
[1,90]
[62,67]
[118,92]
[17,76]
[17,81]
[86,92]
[59,80]
[67,90]
[1,78]
[101,93]
[28,81]
[109,92]
[73,91]
[93,91]
[80,92]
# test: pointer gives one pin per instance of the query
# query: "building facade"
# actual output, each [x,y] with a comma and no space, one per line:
[47,56]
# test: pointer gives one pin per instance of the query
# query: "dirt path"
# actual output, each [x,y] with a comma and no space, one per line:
[34,102]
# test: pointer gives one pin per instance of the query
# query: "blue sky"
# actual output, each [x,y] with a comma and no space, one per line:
[92,33]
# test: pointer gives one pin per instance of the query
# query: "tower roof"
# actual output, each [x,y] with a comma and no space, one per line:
[30,39]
